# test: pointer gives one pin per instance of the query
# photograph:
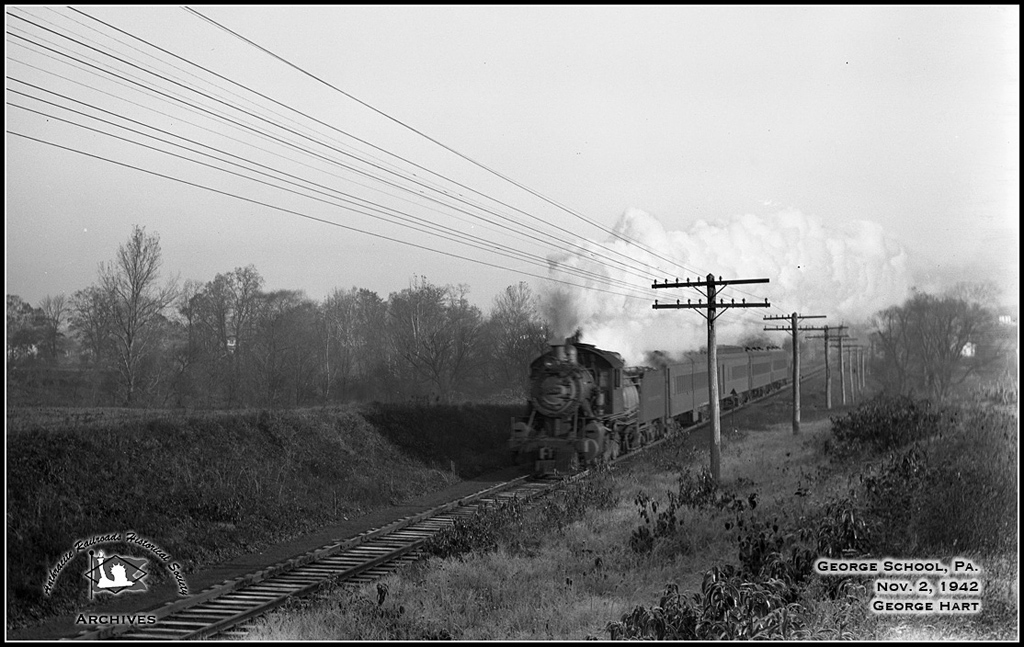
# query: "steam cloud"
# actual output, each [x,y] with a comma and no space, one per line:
[847,274]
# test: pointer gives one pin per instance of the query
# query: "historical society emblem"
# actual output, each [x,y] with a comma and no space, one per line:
[115,574]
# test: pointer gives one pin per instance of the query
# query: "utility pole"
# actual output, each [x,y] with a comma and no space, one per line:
[711,307]
[871,351]
[856,357]
[863,368]
[828,371]
[796,360]
[852,352]
[842,374]
[842,369]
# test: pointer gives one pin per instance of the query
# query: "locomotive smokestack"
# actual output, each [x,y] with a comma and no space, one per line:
[570,350]
[559,347]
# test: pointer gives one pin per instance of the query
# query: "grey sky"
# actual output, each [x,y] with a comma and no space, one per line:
[905,117]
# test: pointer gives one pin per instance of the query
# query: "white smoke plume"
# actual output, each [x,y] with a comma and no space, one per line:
[847,274]
[558,306]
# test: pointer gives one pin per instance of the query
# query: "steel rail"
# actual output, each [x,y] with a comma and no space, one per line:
[229,603]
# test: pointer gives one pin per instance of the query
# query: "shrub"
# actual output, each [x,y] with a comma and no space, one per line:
[729,607]
[842,531]
[957,491]
[968,492]
[767,551]
[884,423]
[655,524]
[698,492]
[479,532]
[701,492]
[514,523]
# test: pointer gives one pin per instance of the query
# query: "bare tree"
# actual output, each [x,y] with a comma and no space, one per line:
[517,333]
[25,329]
[436,332]
[932,342]
[893,331]
[982,293]
[465,323]
[223,317]
[374,358]
[284,348]
[944,327]
[338,341]
[135,300]
[55,311]
[90,322]
[187,352]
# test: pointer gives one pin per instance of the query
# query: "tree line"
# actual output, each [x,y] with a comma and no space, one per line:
[131,339]
[932,343]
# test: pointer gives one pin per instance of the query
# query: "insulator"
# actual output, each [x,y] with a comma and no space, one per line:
[719,279]
[744,300]
[655,302]
[677,301]
[766,300]
[734,300]
[687,280]
[688,301]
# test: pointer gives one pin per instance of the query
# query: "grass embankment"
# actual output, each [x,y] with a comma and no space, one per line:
[208,486]
[654,549]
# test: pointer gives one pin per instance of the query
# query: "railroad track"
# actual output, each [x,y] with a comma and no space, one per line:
[220,610]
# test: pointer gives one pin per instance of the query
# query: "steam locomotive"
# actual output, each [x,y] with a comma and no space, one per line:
[586,406]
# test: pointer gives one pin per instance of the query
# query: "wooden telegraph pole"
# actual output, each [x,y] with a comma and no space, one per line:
[863,368]
[712,307]
[842,366]
[842,374]
[793,330]
[855,352]
[828,370]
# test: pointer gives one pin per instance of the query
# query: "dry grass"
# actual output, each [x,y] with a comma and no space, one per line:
[576,580]
[208,485]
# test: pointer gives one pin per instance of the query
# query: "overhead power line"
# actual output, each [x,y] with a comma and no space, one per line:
[454,234]
[581,249]
[375,147]
[403,124]
[375,210]
[309,217]
[374,169]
